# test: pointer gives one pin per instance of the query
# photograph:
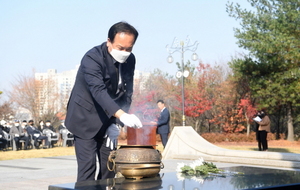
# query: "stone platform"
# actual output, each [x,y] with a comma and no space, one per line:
[185,143]
[248,178]
[40,173]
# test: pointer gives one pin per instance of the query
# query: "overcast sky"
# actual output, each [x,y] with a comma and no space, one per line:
[55,34]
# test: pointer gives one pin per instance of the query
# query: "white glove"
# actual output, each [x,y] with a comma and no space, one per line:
[131,120]
[112,133]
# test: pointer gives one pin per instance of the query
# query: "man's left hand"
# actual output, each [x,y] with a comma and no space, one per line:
[153,123]
[112,134]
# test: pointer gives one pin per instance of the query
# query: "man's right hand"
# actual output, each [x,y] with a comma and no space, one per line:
[131,120]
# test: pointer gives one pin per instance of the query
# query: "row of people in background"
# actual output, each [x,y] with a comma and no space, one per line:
[28,131]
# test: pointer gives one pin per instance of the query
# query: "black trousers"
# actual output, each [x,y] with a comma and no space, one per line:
[17,139]
[3,143]
[262,140]
[86,152]
[41,137]
[164,138]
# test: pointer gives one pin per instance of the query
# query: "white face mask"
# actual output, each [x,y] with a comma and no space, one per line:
[17,124]
[120,56]
[48,124]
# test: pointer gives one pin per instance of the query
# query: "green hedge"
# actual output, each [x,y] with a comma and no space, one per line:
[236,137]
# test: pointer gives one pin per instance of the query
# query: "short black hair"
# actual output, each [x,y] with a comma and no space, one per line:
[122,27]
[161,101]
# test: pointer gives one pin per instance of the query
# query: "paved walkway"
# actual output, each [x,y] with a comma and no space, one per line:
[39,173]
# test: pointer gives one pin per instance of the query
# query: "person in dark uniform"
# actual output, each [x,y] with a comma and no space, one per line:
[3,140]
[36,135]
[49,126]
[100,99]
[162,123]
[41,125]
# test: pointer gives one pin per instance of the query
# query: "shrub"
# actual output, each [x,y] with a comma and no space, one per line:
[236,137]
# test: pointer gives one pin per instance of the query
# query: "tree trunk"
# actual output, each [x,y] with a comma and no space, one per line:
[278,130]
[197,128]
[248,124]
[290,136]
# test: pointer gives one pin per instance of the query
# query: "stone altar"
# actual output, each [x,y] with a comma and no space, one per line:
[252,178]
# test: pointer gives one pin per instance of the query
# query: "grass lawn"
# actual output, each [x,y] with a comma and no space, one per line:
[273,146]
[254,148]
[56,151]
[37,153]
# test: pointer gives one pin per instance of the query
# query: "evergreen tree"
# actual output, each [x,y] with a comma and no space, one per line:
[270,32]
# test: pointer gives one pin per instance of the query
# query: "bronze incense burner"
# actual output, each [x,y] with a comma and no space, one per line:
[136,161]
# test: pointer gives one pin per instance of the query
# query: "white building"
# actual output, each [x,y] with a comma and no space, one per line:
[140,78]
[54,89]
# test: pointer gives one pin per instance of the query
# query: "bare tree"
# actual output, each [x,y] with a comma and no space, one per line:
[39,96]
[6,110]
[24,95]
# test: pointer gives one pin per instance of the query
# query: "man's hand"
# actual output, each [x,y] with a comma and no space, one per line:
[153,123]
[131,120]
[112,133]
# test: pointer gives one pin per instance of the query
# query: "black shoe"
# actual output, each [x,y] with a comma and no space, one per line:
[45,147]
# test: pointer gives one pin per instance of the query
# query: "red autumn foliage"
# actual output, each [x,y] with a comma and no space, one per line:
[246,107]
[197,99]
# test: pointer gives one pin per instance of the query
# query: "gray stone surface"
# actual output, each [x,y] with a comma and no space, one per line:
[183,146]
[39,173]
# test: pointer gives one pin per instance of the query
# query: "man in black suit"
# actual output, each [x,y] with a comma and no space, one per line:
[163,122]
[36,135]
[100,98]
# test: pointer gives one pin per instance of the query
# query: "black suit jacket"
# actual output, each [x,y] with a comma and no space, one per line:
[93,100]
[163,122]
[31,130]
